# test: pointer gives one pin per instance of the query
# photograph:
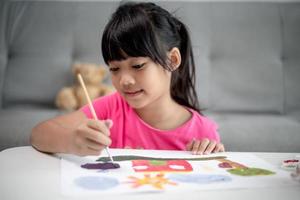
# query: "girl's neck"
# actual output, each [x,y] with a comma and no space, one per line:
[164,114]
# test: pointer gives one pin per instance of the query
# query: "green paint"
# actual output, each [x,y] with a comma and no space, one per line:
[250,172]
[132,157]
[158,162]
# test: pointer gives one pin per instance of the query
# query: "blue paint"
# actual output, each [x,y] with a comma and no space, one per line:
[199,178]
[96,182]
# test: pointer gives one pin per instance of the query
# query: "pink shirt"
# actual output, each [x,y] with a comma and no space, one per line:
[129,130]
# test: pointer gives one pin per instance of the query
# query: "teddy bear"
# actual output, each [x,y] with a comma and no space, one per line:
[73,97]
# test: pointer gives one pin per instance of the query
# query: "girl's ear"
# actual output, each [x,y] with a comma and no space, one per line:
[175,58]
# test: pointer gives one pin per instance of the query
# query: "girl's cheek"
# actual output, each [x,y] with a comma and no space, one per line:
[114,82]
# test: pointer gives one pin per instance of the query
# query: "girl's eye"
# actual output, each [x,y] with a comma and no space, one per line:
[113,69]
[138,66]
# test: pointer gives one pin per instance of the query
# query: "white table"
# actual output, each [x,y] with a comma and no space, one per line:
[28,174]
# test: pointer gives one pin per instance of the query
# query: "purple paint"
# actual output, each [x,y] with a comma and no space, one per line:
[225,165]
[103,166]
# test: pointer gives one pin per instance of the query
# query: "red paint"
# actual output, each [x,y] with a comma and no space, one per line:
[291,161]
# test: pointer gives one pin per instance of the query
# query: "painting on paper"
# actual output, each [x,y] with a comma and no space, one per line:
[153,171]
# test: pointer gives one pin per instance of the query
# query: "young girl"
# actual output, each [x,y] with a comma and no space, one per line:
[150,58]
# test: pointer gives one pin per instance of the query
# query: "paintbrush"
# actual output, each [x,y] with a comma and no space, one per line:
[91,108]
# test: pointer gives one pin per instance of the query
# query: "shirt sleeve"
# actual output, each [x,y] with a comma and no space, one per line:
[208,127]
[212,128]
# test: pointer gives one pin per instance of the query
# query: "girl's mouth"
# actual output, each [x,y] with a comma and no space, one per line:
[133,93]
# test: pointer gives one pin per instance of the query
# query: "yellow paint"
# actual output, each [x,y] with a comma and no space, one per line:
[158,181]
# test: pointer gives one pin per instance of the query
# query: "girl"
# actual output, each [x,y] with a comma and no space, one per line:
[150,58]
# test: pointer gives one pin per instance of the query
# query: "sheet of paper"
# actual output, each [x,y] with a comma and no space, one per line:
[168,171]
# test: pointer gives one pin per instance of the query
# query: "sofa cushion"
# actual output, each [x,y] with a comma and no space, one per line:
[258,132]
[247,72]
[291,55]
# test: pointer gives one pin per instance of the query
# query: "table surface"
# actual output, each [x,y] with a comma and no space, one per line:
[28,174]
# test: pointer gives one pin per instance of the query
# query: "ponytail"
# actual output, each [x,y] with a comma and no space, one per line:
[183,79]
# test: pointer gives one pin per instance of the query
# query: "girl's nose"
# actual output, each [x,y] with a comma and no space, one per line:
[127,79]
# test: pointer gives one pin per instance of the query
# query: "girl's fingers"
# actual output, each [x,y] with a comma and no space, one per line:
[219,148]
[222,148]
[91,137]
[94,145]
[96,136]
[100,126]
[195,146]
[82,148]
[203,145]
[210,147]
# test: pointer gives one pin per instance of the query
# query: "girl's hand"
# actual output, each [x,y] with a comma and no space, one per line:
[205,146]
[90,137]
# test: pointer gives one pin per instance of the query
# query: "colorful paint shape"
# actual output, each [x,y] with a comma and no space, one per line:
[290,164]
[157,181]
[225,165]
[133,157]
[231,163]
[161,166]
[103,166]
[250,171]
[96,182]
[199,178]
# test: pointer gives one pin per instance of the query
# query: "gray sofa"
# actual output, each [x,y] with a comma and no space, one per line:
[247,56]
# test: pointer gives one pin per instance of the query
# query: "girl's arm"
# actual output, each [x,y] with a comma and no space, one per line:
[71,133]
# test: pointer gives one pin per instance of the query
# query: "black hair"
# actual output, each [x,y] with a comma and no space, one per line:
[147,30]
